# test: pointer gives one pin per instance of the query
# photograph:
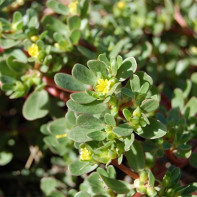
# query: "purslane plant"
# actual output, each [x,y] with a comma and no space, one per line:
[33,49]
[115,115]
[114,103]
[110,114]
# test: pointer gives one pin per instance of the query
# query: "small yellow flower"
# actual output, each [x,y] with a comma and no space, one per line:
[73,7]
[85,154]
[34,38]
[33,50]
[103,86]
[194,50]
[121,5]
[61,136]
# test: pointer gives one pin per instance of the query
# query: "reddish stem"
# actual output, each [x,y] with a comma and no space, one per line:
[176,161]
[87,45]
[124,169]
[179,18]
[137,194]
[58,94]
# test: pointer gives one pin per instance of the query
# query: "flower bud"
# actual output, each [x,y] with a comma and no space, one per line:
[150,191]
[143,176]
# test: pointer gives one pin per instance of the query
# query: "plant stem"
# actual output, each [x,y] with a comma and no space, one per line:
[124,169]
[176,161]
[137,194]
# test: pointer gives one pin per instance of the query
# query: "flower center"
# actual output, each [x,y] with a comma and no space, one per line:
[103,86]
[33,50]
[85,154]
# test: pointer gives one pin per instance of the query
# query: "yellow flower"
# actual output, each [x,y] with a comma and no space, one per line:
[194,50]
[85,154]
[61,136]
[34,38]
[103,86]
[73,7]
[33,50]
[121,5]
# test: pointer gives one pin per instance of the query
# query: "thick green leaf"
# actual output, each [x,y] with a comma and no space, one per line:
[57,7]
[79,134]
[17,17]
[194,84]
[134,63]
[128,142]
[70,117]
[48,185]
[8,43]
[92,108]
[123,130]
[125,71]
[82,98]
[169,6]
[120,187]
[127,114]
[97,135]
[75,36]
[103,58]
[151,178]
[193,160]
[53,24]
[127,92]
[67,82]
[144,77]
[74,22]
[86,52]
[135,83]
[97,67]
[154,130]
[96,185]
[89,122]
[56,193]
[135,157]
[144,88]
[149,105]
[110,120]
[5,158]
[118,47]
[178,100]
[146,50]
[83,74]
[15,65]
[82,194]
[58,126]
[188,189]
[78,168]
[36,106]
[190,108]
[84,7]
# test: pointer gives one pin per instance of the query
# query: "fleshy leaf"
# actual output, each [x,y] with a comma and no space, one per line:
[78,168]
[82,98]
[74,22]
[89,122]
[58,126]
[123,130]
[92,108]
[79,134]
[67,82]
[36,106]
[149,105]
[154,130]
[97,67]
[83,74]
[135,157]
